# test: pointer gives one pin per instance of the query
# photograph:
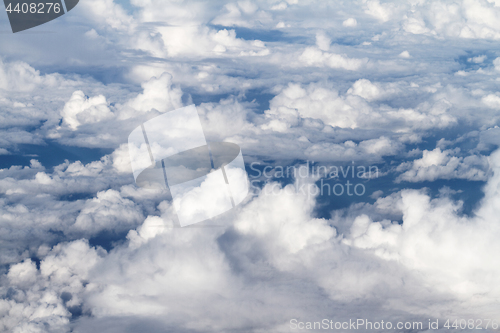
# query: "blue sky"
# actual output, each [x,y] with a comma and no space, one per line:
[411,87]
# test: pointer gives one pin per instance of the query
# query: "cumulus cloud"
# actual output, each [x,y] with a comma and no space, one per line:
[158,94]
[43,299]
[75,200]
[101,123]
[315,57]
[433,227]
[350,22]
[81,109]
[437,164]
[262,248]
[351,111]
[243,13]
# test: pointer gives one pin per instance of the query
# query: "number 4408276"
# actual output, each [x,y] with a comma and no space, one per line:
[477,324]
[34,8]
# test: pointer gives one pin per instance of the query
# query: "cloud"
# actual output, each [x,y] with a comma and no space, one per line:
[96,122]
[74,200]
[350,22]
[81,109]
[437,164]
[465,19]
[382,12]
[259,248]
[405,54]
[243,14]
[19,76]
[433,227]
[323,41]
[478,59]
[158,94]
[109,14]
[351,111]
[315,57]
[44,298]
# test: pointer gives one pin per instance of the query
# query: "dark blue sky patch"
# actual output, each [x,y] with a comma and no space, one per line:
[470,192]
[51,155]
[346,190]
[206,98]
[264,35]
[262,98]
[104,74]
[467,62]
[127,6]
[108,239]
[77,196]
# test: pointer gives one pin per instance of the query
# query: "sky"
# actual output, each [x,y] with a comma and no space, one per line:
[369,134]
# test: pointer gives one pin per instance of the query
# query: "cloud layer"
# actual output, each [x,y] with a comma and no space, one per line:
[408,87]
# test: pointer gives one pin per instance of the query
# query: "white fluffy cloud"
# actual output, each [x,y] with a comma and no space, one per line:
[316,57]
[158,94]
[437,164]
[350,22]
[81,109]
[434,251]
[41,298]
[353,110]
[450,251]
